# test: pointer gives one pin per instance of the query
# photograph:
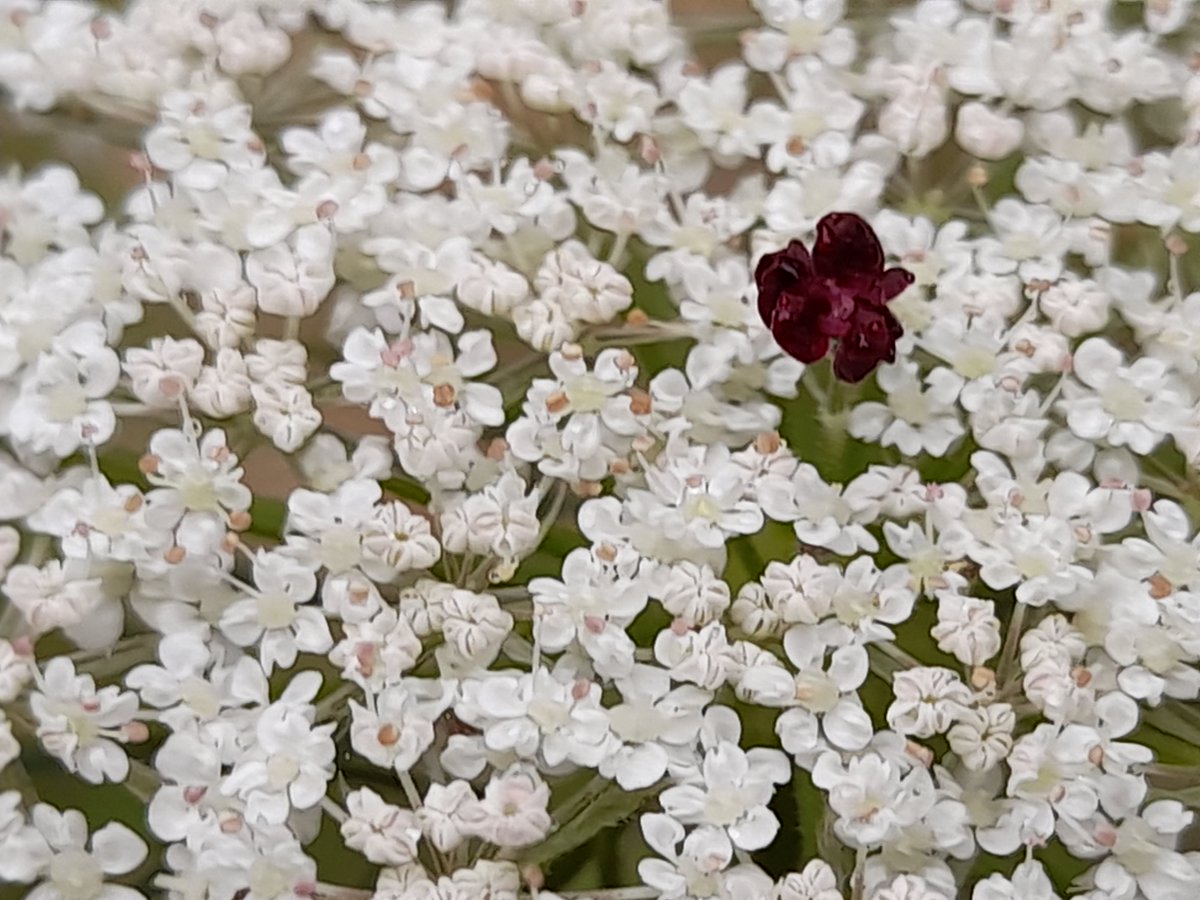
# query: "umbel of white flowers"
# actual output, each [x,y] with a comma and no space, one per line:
[401,443]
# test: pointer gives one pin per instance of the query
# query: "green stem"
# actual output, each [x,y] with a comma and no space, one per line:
[1012,643]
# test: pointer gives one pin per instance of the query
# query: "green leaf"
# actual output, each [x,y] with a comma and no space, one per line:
[267,517]
[1170,734]
[406,489]
[610,808]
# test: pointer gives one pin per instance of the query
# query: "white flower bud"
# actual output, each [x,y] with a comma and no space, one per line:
[223,389]
[542,324]
[916,119]
[293,278]
[491,287]
[928,700]
[9,748]
[54,596]
[983,737]
[985,133]
[385,834]
[586,289]
[908,887]
[474,625]
[164,371]
[248,45]
[816,882]
[695,593]
[550,90]
[16,670]
[284,413]
[278,361]
[227,315]
[442,815]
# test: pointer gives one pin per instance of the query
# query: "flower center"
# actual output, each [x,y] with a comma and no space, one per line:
[1182,192]
[702,506]
[822,191]
[197,492]
[202,141]
[281,771]
[587,393]
[1123,401]
[548,715]
[266,880]
[340,548]
[198,695]
[723,806]
[636,724]
[975,362]
[852,606]
[76,875]
[804,36]
[727,310]
[696,239]
[85,729]
[65,402]
[1158,651]
[1034,563]
[816,692]
[275,610]
[911,405]
[1022,246]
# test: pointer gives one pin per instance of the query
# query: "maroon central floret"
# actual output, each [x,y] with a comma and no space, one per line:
[838,292]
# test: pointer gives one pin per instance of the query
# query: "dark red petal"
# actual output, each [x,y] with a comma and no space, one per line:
[781,272]
[872,340]
[846,247]
[852,368]
[797,325]
[894,281]
[805,345]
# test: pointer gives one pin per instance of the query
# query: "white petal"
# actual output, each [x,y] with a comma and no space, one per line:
[118,849]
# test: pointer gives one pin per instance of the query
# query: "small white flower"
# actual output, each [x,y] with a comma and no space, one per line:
[57,595]
[287,767]
[399,540]
[399,728]
[1134,406]
[385,834]
[734,792]
[61,404]
[79,725]
[914,419]
[928,700]
[274,617]
[908,887]
[56,850]
[285,413]
[982,737]
[501,520]
[967,628]
[165,371]
[873,801]
[512,812]
[444,814]
[816,882]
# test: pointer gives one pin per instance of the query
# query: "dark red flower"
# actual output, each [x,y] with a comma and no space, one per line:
[839,292]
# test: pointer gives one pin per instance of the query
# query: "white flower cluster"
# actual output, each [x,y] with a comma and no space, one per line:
[403,464]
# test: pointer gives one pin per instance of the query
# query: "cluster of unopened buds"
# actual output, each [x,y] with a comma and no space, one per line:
[599,449]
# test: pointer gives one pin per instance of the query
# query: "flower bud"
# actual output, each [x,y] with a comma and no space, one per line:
[984,133]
